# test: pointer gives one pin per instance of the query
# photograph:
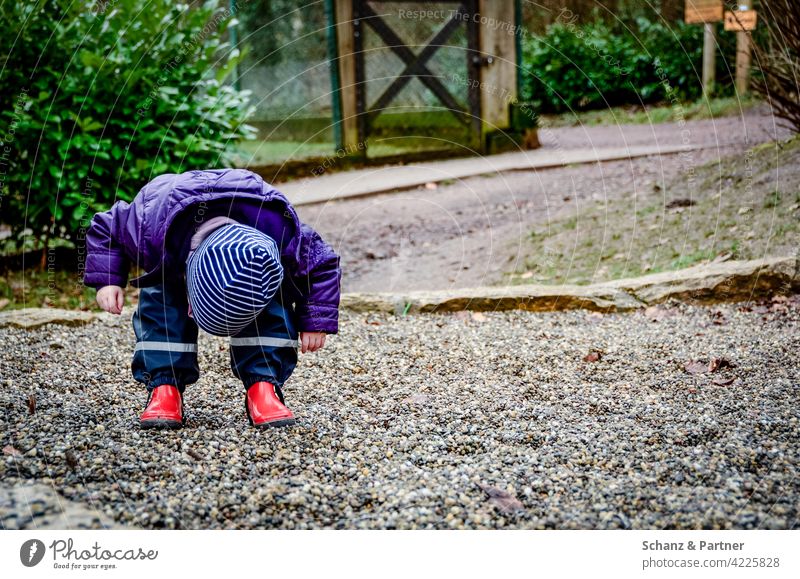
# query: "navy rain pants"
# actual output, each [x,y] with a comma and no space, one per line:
[166,341]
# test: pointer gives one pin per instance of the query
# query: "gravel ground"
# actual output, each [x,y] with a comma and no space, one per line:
[491,420]
[472,231]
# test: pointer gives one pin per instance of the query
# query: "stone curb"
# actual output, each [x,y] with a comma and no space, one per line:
[30,318]
[37,506]
[710,283]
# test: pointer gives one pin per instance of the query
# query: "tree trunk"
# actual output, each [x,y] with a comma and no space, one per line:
[45,245]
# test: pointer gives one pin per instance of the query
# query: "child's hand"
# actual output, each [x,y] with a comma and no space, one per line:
[111,298]
[311,341]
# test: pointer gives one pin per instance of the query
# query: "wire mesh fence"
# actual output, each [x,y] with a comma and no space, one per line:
[288,69]
[415,117]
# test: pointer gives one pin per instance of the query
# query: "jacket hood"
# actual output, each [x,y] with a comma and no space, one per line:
[167,196]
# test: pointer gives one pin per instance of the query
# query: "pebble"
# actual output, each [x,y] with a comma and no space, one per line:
[508,403]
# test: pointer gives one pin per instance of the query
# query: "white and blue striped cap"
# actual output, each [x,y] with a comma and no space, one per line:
[231,277]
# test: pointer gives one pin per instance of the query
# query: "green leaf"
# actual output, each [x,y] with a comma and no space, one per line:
[105,67]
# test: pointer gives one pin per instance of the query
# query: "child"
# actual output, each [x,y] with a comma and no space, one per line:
[225,252]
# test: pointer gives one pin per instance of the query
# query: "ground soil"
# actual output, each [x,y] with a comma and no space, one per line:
[477,231]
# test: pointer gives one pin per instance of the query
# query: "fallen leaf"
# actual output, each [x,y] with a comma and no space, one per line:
[693,367]
[779,307]
[194,454]
[11,451]
[657,313]
[592,357]
[31,403]
[680,203]
[718,363]
[718,318]
[72,460]
[720,381]
[503,500]
[479,317]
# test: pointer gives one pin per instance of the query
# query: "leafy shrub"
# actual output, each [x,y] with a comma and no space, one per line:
[98,99]
[576,67]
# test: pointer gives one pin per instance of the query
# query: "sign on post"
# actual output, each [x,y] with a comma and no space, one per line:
[703,11]
[706,12]
[741,20]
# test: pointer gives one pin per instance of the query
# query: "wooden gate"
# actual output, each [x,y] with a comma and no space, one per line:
[480,100]
[462,13]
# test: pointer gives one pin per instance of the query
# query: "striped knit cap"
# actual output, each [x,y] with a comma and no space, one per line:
[231,277]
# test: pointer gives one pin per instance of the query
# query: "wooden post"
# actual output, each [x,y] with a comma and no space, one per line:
[347,74]
[743,56]
[709,58]
[498,76]
[237,83]
[706,12]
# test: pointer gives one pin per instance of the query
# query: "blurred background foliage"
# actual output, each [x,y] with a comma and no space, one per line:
[576,66]
[98,98]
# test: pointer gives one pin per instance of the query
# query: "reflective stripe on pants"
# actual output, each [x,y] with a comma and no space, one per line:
[166,341]
[266,349]
[166,338]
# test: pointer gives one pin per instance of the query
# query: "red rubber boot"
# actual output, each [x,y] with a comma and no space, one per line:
[265,409]
[164,409]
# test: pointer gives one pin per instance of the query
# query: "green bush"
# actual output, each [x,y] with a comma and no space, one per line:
[99,98]
[576,67]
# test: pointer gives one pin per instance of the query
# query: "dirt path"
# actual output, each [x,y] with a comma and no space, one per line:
[471,232]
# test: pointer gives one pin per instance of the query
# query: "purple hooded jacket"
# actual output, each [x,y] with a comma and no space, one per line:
[154,231]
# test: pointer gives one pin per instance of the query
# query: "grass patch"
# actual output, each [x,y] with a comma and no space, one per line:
[656,114]
[257,153]
[690,259]
[250,153]
[63,289]
[728,210]
[773,200]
